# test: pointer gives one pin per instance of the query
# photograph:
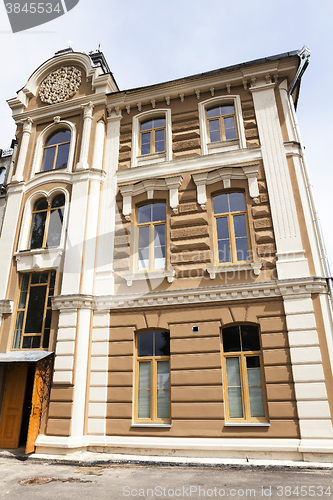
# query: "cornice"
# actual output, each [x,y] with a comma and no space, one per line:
[195,164]
[293,148]
[286,289]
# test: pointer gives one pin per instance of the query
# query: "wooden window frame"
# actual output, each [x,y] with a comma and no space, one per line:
[152,131]
[232,238]
[153,386]
[221,118]
[242,355]
[25,310]
[47,220]
[151,226]
[56,152]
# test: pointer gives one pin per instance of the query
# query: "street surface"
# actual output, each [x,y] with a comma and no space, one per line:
[31,480]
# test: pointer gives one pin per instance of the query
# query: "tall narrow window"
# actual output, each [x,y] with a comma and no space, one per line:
[56,151]
[221,123]
[46,223]
[243,374]
[151,236]
[152,136]
[152,377]
[231,228]
[34,311]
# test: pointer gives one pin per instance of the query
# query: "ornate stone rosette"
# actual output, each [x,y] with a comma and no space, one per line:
[60,85]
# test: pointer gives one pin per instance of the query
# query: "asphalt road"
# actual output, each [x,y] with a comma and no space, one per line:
[31,480]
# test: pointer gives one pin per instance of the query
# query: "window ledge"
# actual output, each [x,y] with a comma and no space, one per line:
[247,424]
[38,259]
[152,425]
[246,266]
[150,275]
[215,147]
[151,158]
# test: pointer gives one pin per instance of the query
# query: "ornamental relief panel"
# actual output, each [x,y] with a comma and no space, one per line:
[60,85]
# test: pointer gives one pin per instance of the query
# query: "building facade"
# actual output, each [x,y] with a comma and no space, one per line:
[163,286]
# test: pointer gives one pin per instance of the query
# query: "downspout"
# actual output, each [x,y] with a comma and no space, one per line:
[304,55]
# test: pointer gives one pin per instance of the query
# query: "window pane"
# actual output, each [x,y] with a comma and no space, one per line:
[214,125]
[220,203]
[159,237]
[145,344]
[25,282]
[37,229]
[231,339]
[159,122]
[19,320]
[62,156]
[145,149]
[240,226]
[237,203]
[143,259]
[23,298]
[224,251]
[144,390]
[163,403]
[48,159]
[213,112]
[144,374]
[257,406]
[214,136]
[227,110]
[34,320]
[146,125]
[229,128]
[159,211]
[222,228]
[159,146]
[159,135]
[46,338]
[143,237]
[162,344]
[35,343]
[58,201]
[26,342]
[234,388]
[41,204]
[159,258]
[17,339]
[58,137]
[144,214]
[162,374]
[250,338]
[35,278]
[55,228]
[242,249]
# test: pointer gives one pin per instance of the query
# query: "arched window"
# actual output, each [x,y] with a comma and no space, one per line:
[243,374]
[151,220]
[46,223]
[152,377]
[230,228]
[56,150]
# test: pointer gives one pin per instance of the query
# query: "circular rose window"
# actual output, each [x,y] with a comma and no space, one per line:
[60,85]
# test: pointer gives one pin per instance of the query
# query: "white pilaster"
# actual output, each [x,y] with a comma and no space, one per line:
[65,347]
[291,262]
[284,94]
[104,270]
[9,228]
[307,367]
[27,128]
[99,374]
[99,145]
[87,119]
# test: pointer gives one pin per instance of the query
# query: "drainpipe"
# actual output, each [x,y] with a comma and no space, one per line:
[304,55]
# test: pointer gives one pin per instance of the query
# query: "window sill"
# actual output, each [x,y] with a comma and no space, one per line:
[247,424]
[38,259]
[216,147]
[151,158]
[165,426]
[246,266]
[149,275]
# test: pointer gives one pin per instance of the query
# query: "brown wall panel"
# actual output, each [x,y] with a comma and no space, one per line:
[279,409]
[276,357]
[274,340]
[119,379]
[120,394]
[278,374]
[60,410]
[199,393]
[121,334]
[190,345]
[207,411]
[280,392]
[190,361]
[120,363]
[196,377]
[119,410]
[58,427]
[61,393]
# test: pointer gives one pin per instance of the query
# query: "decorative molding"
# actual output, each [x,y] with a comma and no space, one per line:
[197,93]
[60,85]
[139,106]
[268,79]
[212,91]
[153,103]
[39,259]
[226,174]
[169,274]
[56,119]
[245,82]
[253,81]
[182,97]
[167,100]
[72,302]
[128,109]
[235,268]
[172,184]
[6,306]
[228,87]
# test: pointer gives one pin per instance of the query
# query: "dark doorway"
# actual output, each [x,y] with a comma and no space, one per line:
[27,406]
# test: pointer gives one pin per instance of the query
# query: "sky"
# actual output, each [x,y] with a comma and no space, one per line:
[151,41]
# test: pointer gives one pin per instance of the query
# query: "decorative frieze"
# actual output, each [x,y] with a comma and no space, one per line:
[60,85]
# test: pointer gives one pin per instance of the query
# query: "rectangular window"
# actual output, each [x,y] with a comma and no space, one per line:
[34,311]
[151,236]
[221,122]
[153,386]
[152,136]
[231,228]
[243,374]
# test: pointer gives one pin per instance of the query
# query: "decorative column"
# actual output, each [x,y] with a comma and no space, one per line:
[6,307]
[99,145]
[307,366]
[104,268]
[87,119]
[291,262]
[27,128]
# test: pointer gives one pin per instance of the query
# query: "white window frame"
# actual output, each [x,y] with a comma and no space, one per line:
[215,147]
[39,148]
[136,158]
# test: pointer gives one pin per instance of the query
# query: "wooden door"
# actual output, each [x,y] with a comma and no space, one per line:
[36,409]
[12,408]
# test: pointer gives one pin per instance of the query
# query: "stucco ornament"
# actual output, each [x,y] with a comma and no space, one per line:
[60,85]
